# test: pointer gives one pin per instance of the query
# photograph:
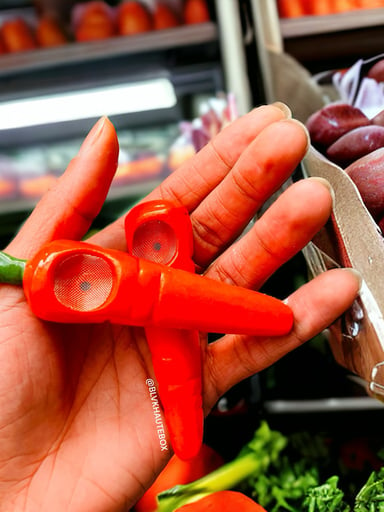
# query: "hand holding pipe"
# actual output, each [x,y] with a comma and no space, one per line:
[78,282]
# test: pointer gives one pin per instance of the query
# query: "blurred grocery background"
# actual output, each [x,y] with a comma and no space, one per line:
[170,74]
[64,64]
[153,66]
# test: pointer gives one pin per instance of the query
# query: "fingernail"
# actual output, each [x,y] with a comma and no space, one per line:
[292,120]
[93,135]
[356,275]
[284,108]
[326,184]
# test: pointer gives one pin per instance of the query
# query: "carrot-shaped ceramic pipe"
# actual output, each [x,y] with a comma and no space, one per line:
[162,232]
[77,282]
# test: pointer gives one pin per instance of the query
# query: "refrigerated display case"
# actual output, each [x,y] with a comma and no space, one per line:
[147,84]
[334,40]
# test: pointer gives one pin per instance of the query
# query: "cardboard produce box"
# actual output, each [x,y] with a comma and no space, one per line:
[351,238]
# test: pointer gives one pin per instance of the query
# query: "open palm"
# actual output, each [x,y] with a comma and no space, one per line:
[76,422]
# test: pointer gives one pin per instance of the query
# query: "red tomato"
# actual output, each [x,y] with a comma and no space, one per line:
[2,47]
[179,471]
[223,501]
[164,17]
[92,12]
[344,5]
[17,36]
[133,18]
[49,33]
[196,11]
[294,8]
[359,454]
[369,4]
[323,8]
[93,31]
[95,21]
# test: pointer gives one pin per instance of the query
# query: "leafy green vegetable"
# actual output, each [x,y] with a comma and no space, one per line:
[286,487]
[326,498]
[371,496]
[254,459]
[284,473]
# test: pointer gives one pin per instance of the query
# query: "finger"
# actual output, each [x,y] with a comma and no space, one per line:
[260,170]
[194,180]
[68,209]
[197,177]
[283,230]
[315,306]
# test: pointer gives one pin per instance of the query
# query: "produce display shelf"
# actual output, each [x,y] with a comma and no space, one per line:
[323,405]
[116,193]
[73,52]
[339,22]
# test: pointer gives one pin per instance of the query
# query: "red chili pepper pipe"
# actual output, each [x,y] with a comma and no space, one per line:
[161,232]
[77,282]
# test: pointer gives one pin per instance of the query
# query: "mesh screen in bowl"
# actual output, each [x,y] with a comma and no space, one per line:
[83,282]
[156,241]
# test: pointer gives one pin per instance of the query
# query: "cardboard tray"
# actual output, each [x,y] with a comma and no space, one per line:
[351,238]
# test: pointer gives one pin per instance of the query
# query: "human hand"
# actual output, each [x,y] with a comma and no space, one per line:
[76,422]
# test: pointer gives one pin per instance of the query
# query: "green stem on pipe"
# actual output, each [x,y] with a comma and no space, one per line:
[11,269]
